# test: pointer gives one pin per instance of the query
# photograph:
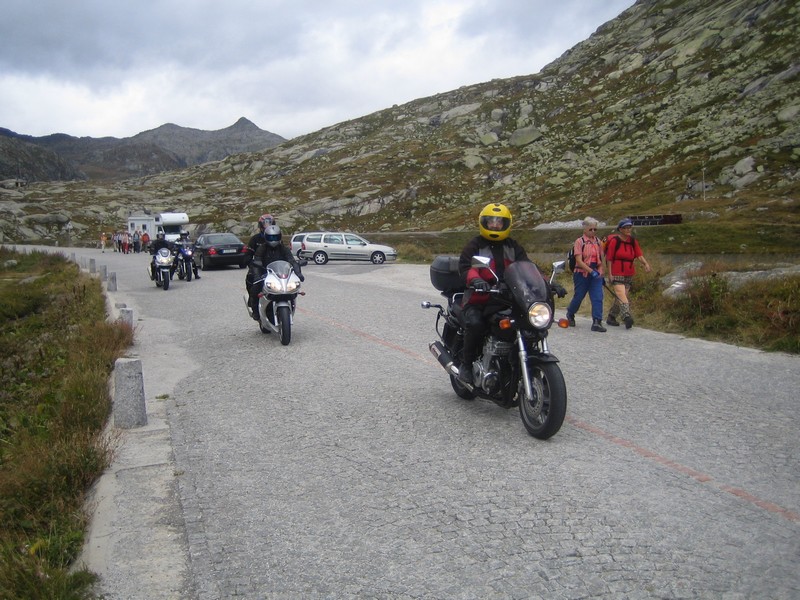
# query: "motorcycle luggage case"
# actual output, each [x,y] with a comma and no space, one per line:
[444,274]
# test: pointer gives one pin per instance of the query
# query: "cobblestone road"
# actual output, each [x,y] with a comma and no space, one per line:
[344,466]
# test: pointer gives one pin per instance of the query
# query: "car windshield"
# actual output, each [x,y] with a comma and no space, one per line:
[222,238]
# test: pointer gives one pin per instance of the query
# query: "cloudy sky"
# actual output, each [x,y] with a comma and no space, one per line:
[118,67]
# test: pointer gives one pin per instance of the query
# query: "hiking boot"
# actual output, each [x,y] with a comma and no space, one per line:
[612,321]
[571,319]
[628,322]
[597,325]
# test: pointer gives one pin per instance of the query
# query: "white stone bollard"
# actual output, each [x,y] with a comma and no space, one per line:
[92,266]
[126,316]
[103,272]
[129,407]
[111,286]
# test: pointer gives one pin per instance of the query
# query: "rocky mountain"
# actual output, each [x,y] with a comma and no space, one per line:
[688,107]
[20,159]
[165,148]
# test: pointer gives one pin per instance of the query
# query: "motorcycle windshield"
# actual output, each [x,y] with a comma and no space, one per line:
[281,268]
[525,283]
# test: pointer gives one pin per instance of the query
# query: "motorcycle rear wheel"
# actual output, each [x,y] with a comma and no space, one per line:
[544,414]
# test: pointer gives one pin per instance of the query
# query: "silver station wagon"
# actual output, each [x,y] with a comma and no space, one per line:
[324,246]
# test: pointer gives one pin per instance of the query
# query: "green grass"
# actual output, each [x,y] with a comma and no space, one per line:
[56,354]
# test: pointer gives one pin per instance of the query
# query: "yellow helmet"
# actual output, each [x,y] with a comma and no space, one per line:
[494,222]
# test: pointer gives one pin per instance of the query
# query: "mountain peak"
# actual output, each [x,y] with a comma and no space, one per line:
[243,123]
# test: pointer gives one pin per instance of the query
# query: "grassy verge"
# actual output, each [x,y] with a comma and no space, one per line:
[56,354]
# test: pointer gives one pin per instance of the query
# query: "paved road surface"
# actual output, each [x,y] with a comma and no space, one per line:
[343,465]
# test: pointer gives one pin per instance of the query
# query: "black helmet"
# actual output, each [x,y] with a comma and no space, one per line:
[273,235]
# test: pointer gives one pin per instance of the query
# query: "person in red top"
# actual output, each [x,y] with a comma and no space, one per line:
[588,275]
[622,249]
[494,224]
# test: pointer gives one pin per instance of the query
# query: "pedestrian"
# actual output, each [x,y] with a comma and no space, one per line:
[103,238]
[145,241]
[137,242]
[622,249]
[588,275]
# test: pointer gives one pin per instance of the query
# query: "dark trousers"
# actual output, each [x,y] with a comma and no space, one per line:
[584,285]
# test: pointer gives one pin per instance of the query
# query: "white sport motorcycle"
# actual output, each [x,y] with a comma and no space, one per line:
[160,268]
[280,286]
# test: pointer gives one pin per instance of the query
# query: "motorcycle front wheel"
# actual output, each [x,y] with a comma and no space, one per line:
[544,414]
[285,324]
[165,278]
[189,272]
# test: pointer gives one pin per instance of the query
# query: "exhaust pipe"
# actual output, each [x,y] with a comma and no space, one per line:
[443,356]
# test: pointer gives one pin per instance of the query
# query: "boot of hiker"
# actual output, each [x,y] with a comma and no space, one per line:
[597,325]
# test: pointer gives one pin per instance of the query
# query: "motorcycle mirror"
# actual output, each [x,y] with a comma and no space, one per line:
[481,261]
[558,266]
[425,304]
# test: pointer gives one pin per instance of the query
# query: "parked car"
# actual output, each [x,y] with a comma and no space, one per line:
[324,246]
[218,249]
[297,243]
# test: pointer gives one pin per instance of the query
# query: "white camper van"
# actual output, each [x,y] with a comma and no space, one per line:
[168,223]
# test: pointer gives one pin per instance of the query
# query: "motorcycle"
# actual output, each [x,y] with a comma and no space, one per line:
[184,261]
[160,268]
[515,366]
[277,299]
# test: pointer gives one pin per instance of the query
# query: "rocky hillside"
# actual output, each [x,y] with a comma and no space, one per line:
[688,106]
[166,148]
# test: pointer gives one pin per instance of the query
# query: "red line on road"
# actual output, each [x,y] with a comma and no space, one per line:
[684,470]
[622,442]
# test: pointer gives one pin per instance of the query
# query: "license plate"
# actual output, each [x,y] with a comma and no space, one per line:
[228,251]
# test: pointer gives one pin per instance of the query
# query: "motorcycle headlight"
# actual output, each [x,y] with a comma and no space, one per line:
[540,315]
[274,286]
[292,286]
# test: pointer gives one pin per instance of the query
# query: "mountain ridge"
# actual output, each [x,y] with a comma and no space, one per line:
[688,107]
[164,148]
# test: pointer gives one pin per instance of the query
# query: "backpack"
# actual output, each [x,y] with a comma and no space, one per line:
[607,240]
[571,258]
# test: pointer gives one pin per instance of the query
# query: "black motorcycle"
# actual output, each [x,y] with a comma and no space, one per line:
[515,366]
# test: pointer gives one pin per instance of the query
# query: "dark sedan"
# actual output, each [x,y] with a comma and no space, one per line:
[218,249]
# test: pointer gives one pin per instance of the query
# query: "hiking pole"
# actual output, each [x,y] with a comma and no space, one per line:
[613,293]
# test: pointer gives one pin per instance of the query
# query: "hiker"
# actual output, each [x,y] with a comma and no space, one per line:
[588,275]
[622,249]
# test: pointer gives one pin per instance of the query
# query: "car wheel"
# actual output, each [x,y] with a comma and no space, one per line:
[320,258]
[378,258]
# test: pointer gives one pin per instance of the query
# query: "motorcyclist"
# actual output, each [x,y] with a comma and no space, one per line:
[184,240]
[155,246]
[262,249]
[494,224]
